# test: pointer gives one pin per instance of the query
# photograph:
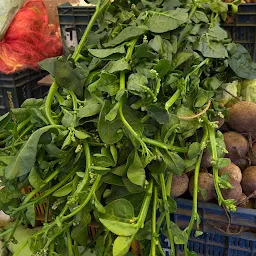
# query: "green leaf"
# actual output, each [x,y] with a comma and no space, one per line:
[26,157]
[64,191]
[172,205]
[144,51]
[112,179]
[103,53]
[217,33]
[163,67]
[119,228]
[122,245]
[109,131]
[180,58]
[81,135]
[174,162]
[117,66]
[67,119]
[66,76]
[91,107]
[198,233]
[108,83]
[136,173]
[99,207]
[80,234]
[180,237]
[131,187]
[31,215]
[199,16]
[34,179]
[222,162]
[136,85]
[119,170]
[4,120]
[158,113]
[161,22]
[224,181]
[241,62]
[194,150]
[126,34]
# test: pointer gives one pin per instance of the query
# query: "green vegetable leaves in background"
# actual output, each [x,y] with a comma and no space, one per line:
[122,245]
[103,53]
[160,22]
[31,215]
[34,179]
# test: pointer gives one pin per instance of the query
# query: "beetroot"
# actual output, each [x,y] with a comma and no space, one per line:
[179,185]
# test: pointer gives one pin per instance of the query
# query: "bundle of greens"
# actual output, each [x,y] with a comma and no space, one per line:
[135,104]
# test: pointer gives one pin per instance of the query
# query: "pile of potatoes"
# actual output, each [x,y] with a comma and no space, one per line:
[239,136]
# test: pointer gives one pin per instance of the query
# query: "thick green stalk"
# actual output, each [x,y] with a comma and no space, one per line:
[195,191]
[172,100]
[167,214]
[154,238]
[69,242]
[75,56]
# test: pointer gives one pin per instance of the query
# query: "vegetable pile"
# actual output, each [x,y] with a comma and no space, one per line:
[134,107]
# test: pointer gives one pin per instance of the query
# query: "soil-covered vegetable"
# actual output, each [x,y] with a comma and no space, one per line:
[206,189]
[179,185]
[242,117]
[253,154]
[134,104]
[236,145]
[233,193]
[234,173]
[249,180]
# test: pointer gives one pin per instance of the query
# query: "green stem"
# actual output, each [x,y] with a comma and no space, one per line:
[159,222]
[76,251]
[88,198]
[172,100]
[70,245]
[195,191]
[167,214]
[23,124]
[51,249]
[160,249]
[30,127]
[154,235]
[169,184]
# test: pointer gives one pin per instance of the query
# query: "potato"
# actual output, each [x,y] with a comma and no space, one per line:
[205,184]
[179,185]
[234,172]
[206,160]
[242,117]
[234,193]
[253,154]
[236,145]
[249,180]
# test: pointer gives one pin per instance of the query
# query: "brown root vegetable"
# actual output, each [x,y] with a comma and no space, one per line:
[253,154]
[179,185]
[244,202]
[234,193]
[236,145]
[206,187]
[234,172]
[242,163]
[206,160]
[242,117]
[249,180]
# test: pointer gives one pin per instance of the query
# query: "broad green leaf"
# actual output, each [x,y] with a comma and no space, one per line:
[109,132]
[108,83]
[26,157]
[131,187]
[81,135]
[163,67]
[67,119]
[136,173]
[144,51]
[126,34]
[158,113]
[91,107]
[113,112]
[222,162]
[194,150]
[117,66]
[99,207]
[80,234]
[64,191]
[199,16]
[112,179]
[34,179]
[161,22]
[7,159]
[119,170]
[172,205]
[241,62]
[180,58]
[31,215]
[180,236]
[174,162]
[119,228]
[137,83]
[157,44]
[122,245]
[48,65]
[103,53]
[217,33]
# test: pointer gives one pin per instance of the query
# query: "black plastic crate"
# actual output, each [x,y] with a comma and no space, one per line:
[242,27]
[213,242]
[73,22]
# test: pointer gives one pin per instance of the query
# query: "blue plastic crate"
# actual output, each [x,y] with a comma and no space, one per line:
[213,242]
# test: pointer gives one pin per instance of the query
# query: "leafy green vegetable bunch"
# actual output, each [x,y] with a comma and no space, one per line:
[135,104]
